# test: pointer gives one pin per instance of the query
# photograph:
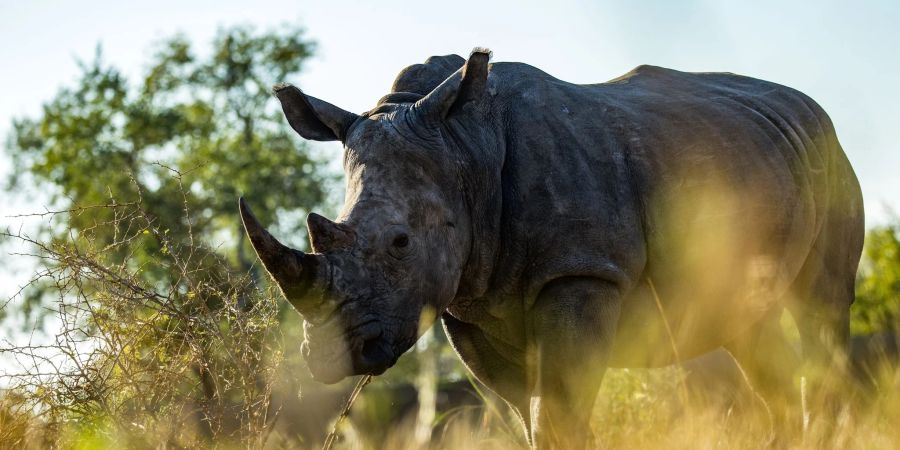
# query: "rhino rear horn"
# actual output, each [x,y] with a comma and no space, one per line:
[313,118]
[463,87]
[302,278]
[325,235]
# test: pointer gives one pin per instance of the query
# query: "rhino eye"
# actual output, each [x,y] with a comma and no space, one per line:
[402,240]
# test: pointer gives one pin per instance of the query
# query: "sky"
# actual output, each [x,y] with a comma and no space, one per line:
[845,55]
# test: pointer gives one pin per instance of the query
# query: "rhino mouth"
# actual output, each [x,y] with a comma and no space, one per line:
[367,351]
[352,341]
[373,358]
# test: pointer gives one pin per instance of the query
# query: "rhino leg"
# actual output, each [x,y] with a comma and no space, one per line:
[822,315]
[821,299]
[501,372]
[573,325]
[769,362]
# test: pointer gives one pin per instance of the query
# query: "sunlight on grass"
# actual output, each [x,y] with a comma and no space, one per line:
[634,409]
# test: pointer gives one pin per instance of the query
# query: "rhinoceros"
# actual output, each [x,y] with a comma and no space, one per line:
[559,229]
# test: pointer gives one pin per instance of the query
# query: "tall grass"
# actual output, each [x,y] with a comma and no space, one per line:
[635,408]
[642,409]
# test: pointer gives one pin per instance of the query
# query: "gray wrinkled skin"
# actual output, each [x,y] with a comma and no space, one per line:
[557,228]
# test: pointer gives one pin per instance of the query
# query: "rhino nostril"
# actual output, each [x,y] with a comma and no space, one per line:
[374,356]
[370,350]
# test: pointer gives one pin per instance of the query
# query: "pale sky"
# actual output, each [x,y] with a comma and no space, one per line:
[845,55]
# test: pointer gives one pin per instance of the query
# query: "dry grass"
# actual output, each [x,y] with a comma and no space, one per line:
[635,409]
[641,409]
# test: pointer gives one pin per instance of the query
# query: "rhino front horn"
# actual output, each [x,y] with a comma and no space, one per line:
[303,278]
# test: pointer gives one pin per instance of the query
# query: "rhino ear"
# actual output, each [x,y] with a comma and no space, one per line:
[313,118]
[465,86]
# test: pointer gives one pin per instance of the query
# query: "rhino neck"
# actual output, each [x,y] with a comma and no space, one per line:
[478,145]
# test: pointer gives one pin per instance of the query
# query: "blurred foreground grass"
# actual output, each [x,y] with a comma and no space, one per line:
[635,409]
[642,409]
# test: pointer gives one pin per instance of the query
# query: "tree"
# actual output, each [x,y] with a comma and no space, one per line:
[210,119]
[164,323]
[877,304]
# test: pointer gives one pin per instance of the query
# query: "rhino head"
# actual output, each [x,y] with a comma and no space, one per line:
[392,261]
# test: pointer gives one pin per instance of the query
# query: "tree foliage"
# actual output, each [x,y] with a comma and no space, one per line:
[194,130]
[210,118]
[877,304]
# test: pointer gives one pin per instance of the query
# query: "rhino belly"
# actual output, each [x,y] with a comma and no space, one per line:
[712,276]
[650,336]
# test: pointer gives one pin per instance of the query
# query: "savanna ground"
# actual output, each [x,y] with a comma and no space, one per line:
[148,323]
